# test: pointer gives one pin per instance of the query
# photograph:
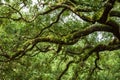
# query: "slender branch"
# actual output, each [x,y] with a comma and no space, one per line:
[58,17]
[115,28]
[65,70]
[95,67]
[59,48]
[91,29]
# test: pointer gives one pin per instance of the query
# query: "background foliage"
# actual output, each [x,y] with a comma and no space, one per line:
[59,40]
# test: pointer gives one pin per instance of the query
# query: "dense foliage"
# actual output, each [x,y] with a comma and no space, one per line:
[59,39]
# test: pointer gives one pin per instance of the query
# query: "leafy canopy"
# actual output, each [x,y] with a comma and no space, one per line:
[60,39]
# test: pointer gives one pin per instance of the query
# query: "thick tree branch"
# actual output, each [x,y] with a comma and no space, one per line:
[74,10]
[108,7]
[58,17]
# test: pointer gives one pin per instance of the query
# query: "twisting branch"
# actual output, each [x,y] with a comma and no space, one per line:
[21,16]
[58,17]
[83,17]
[96,66]
[74,10]
[65,70]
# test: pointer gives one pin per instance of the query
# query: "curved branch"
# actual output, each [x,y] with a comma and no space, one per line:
[115,28]
[65,70]
[73,37]
[58,17]
[46,12]
[100,48]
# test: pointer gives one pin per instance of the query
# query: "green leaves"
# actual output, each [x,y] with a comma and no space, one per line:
[49,40]
[7,1]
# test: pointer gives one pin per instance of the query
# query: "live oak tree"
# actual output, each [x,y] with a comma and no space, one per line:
[68,39]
